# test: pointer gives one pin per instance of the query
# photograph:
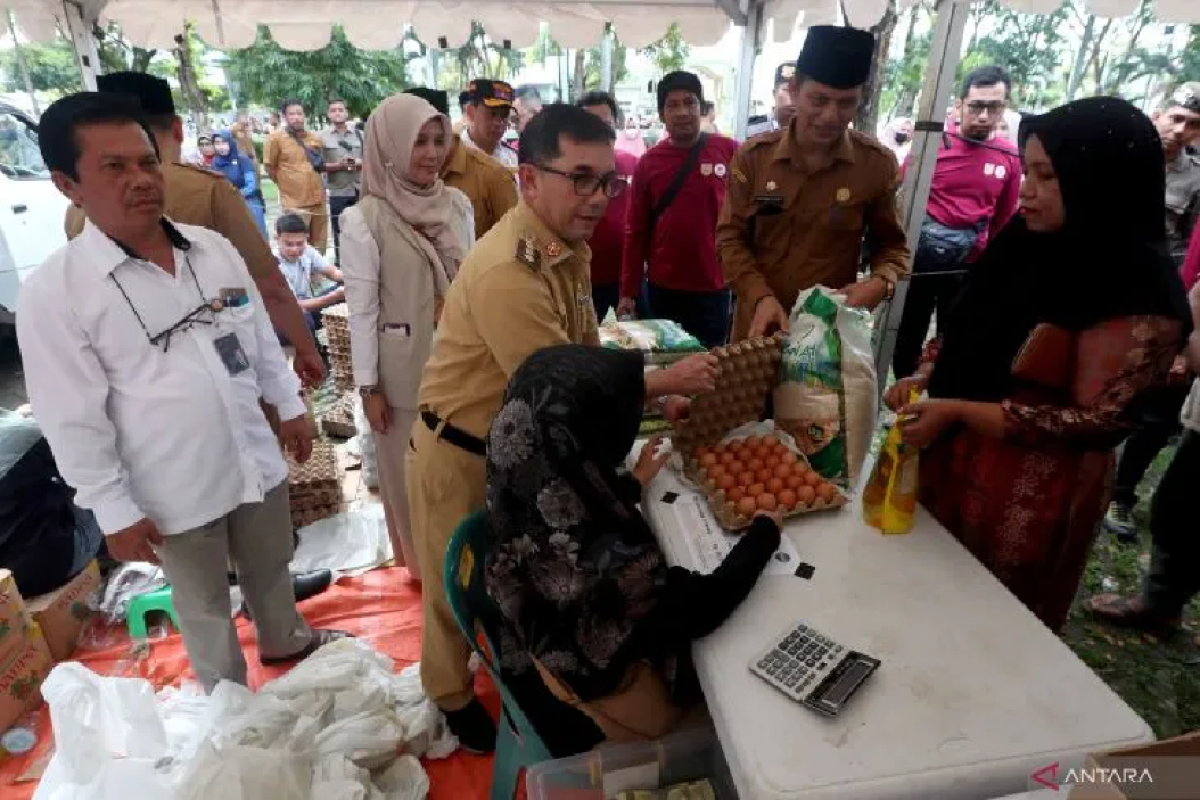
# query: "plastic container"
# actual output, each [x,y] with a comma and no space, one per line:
[690,755]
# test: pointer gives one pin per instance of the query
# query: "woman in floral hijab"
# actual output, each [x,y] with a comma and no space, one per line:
[586,599]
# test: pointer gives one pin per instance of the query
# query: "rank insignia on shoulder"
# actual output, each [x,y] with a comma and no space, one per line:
[554,249]
[527,253]
[739,175]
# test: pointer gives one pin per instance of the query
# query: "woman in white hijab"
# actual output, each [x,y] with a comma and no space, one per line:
[400,248]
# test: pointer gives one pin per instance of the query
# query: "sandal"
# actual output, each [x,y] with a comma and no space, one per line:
[320,638]
[1132,613]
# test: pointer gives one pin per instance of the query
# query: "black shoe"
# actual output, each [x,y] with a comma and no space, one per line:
[474,728]
[304,586]
[320,638]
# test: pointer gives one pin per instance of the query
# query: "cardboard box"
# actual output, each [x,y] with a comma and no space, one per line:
[1166,770]
[14,616]
[21,676]
[62,613]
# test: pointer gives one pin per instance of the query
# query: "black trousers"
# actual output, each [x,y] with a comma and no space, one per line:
[1159,422]
[927,293]
[336,206]
[1175,546]
[704,315]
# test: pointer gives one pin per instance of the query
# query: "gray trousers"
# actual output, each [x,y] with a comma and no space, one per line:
[257,539]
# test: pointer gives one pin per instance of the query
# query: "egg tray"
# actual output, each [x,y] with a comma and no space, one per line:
[320,468]
[727,514]
[307,516]
[339,420]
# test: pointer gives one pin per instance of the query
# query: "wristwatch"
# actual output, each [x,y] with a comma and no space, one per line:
[366,391]
[889,287]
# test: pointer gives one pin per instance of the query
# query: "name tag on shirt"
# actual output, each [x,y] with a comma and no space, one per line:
[234,298]
[231,353]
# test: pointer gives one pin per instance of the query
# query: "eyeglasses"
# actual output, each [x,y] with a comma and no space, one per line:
[163,338]
[586,183]
[977,107]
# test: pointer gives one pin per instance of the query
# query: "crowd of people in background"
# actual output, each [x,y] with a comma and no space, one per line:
[476,262]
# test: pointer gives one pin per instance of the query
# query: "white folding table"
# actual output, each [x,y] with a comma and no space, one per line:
[973,695]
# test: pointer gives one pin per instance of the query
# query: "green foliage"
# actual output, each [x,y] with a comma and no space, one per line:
[669,53]
[118,55]
[595,61]
[266,74]
[480,57]
[1190,58]
[1032,47]
[51,68]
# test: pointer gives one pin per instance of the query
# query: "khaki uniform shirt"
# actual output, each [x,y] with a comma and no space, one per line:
[300,185]
[784,229]
[1183,202]
[196,196]
[520,289]
[485,181]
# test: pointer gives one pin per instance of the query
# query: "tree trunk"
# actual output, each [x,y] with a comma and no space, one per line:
[1089,31]
[189,83]
[141,59]
[578,77]
[867,118]
[906,98]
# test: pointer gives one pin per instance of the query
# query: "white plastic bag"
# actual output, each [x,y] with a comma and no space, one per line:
[827,398]
[236,772]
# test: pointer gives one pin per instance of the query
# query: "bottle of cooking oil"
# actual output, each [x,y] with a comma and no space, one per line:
[890,495]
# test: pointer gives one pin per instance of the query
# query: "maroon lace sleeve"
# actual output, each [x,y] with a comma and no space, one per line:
[1117,361]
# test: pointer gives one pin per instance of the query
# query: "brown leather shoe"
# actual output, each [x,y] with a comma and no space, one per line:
[320,638]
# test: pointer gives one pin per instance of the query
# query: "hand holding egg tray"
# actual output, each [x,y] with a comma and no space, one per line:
[742,474]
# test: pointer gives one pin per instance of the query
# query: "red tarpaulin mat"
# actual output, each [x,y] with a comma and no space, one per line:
[380,607]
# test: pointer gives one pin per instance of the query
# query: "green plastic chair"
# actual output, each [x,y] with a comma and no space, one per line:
[517,743]
[143,604]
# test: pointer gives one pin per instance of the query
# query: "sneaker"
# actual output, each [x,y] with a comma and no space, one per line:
[1119,520]
[474,728]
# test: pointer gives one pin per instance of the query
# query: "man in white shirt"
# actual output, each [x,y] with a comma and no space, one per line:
[146,348]
[490,107]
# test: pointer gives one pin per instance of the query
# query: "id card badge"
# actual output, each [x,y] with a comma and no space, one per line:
[231,353]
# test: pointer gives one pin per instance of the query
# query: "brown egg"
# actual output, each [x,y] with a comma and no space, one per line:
[736,467]
[783,471]
[708,459]
[724,481]
[753,441]
[734,493]
[745,479]
[787,499]
[747,506]
[725,458]
[767,502]
[788,457]
[719,449]
[775,485]
[755,489]
[763,475]
[827,492]
[805,495]
[770,441]
[771,461]
[701,452]
[716,471]
[754,464]
[782,450]
[793,481]
[812,478]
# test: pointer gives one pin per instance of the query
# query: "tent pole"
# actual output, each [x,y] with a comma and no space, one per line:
[80,32]
[752,34]
[944,54]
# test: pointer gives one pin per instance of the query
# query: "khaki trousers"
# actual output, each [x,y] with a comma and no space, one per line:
[391,453]
[317,220]
[257,538]
[445,484]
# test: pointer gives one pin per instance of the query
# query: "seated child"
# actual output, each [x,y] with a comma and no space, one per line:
[298,261]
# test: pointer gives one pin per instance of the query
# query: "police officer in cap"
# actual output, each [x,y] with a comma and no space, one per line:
[784,110]
[800,200]
[196,196]
[1178,126]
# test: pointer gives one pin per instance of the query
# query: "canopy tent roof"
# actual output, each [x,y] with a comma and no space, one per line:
[379,24]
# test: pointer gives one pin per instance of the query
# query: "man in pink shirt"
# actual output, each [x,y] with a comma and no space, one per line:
[678,189]
[608,239]
[973,196]
[1191,262]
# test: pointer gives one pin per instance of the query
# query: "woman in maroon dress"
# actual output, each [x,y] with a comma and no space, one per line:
[1073,311]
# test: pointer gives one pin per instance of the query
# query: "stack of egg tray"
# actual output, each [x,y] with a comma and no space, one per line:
[336,322]
[747,375]
[314,486]
[339,420]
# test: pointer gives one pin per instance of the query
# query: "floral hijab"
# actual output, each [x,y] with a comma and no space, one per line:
[572,566]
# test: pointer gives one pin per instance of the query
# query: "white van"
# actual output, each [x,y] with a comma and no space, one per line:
[31,209]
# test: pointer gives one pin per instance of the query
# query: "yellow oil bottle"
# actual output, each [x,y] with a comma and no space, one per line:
[890,495]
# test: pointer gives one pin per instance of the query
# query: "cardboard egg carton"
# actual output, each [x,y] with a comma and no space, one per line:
[747,375]
[339,420]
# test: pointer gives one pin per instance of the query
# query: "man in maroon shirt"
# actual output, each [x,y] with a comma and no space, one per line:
[678,189]
[973,196]
[608,239]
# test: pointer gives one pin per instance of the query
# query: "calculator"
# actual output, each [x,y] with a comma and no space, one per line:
[813,670]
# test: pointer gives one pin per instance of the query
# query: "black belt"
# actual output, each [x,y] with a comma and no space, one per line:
[455,436]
